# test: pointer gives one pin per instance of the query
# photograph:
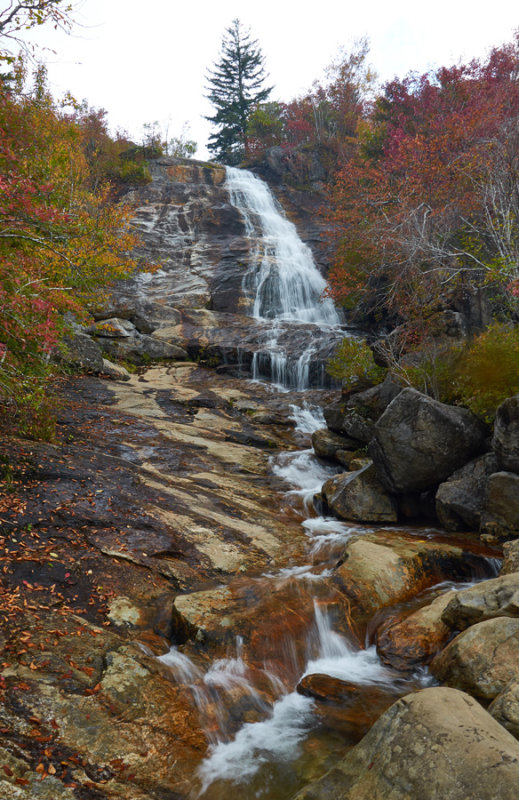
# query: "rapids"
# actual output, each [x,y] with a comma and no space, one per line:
[267,734]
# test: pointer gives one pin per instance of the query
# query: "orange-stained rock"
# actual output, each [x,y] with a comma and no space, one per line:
[406,643]
[350,707]
[388,567]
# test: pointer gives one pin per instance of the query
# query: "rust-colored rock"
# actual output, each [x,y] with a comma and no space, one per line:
[384,568]
[415,640]
[350,707]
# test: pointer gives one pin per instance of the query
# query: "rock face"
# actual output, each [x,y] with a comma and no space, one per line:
[359,496]
[437,744]
[199,249]
[461,499]
[418,442]
[506,435]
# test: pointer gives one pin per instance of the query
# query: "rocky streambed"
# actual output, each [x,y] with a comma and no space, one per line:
[208,588]
[177,622]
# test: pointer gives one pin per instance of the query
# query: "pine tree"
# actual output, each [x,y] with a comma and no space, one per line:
[236,86]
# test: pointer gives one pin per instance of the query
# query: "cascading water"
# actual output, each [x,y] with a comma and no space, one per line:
[284,288]
[259,705]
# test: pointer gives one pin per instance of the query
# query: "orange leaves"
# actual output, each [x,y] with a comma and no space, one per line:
[60,240]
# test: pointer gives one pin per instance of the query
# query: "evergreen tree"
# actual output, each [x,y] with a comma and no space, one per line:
[236,86]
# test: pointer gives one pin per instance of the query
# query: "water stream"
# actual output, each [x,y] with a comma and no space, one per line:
[284,288]
[267,737]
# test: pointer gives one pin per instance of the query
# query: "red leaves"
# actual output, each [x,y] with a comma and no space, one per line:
[411,209]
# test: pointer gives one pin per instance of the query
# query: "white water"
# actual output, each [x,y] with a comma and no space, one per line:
[282,280]
[283,287]
[278,738]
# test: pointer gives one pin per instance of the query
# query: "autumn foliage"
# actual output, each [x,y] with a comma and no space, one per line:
[61,235]
[427,202]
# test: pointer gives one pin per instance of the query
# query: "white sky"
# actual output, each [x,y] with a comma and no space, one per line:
[147,61]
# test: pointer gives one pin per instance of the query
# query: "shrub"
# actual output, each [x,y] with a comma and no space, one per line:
[353,363]
[487,370]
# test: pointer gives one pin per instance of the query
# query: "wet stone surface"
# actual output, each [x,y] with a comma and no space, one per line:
[160,599]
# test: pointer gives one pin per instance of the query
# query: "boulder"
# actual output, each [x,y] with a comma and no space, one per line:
[505,708]
[436,744]
[384,568]
[482,659]
[498,597]
[351,707]
[81,351]
[506,435]
[418,442]
[500,515]
[326,444]
[360,497]
[356,416]
[115,371]
[408,643]
[460,500]
[141,349]
[510,557]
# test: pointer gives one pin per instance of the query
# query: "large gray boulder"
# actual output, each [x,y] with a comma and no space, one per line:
[418,442]
[506,435]
[498,597]
[461,499]
[481,660]
[80,351]
[500,515]
[436,744]
[359,496]
[356,415]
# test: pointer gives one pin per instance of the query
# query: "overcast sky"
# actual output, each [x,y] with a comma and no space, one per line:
[146,61]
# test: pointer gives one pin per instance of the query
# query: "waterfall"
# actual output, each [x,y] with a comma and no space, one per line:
[283,288]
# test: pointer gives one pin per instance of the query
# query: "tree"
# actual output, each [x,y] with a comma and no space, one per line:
[236,87]
[18,17]
[59,239]
[429,206]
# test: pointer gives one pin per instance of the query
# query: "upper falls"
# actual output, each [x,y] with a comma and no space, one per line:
[284,289]
[281,280]
[236,286]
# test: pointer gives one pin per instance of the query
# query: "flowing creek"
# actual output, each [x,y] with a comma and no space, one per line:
[267,734]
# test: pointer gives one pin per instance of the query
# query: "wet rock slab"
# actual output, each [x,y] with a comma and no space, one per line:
[146,494]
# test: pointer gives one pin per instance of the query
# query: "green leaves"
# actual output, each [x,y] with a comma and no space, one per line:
[236,87]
